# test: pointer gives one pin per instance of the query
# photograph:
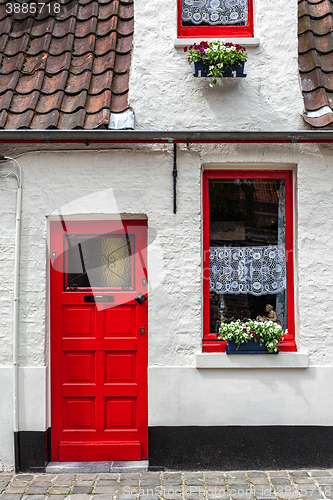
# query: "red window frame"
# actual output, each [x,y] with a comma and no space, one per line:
[210,343]
[216,31]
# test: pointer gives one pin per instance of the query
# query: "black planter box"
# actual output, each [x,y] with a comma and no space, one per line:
[202,69]
[250,347]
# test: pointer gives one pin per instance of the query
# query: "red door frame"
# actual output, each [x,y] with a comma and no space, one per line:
[210,344]
[57,229]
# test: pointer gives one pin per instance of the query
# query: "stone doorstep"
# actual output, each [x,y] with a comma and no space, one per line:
[83,467]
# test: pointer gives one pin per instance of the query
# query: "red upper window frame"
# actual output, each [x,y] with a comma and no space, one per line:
[216,31]
[210,343]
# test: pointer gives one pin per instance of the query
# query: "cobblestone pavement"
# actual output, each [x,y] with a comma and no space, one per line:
[239,485]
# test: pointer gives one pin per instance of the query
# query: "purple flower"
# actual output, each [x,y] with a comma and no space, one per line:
[185,48]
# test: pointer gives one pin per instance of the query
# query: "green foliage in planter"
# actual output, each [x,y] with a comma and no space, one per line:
[217,55]
[264,332]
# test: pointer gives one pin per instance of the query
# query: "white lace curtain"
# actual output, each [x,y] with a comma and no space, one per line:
[215,12]
[247,270]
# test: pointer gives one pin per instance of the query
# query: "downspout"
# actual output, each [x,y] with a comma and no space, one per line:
[18,177]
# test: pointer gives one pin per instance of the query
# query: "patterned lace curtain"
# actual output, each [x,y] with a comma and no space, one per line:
[215,12]
[281,309]
[247,270]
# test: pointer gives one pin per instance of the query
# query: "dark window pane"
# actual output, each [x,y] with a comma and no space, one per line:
[247,249]
[99,262]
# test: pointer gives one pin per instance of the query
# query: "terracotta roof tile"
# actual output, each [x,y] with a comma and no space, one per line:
[97,120]
[104,62]
[3,118]
[54,83]
[19,29]
[126,12]
[317,99]
[120,83]
[70,105]
[85,28]
[97,102]
[315,10]
[104,45]
[35,63]
[118,103]
[84,45]
[72,120]
[6,99]
[81,63]
[123,63]
[20,103]
[69,9]
[47,103]
[88,11]
[60,45]
[3,41]
[49,120]
[124,44]
[321,121]
[99,83]
[38,45]
[16,45]
[21,120]
[313,59]
[40,28]
[63,28]
[28,83]
[76,83]
[125,28]
[8,81]
[108,10]
[317,79]
[67,70]
[315,47]
[5,27]
[317,26]
[10,64]
[56,64]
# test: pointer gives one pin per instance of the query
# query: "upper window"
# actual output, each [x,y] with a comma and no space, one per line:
[248,250]
[215,18]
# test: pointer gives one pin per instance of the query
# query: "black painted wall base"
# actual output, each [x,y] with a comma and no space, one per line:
[31,451]
[241,448]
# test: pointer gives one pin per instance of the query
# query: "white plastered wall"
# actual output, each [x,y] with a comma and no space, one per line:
[90,184]
[165,95]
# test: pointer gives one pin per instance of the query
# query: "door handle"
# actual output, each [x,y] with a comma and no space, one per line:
[140,298]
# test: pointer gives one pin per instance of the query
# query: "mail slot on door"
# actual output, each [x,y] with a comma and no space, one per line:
[99,298]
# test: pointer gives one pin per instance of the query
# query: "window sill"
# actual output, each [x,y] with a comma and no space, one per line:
[246,42]
[282,360]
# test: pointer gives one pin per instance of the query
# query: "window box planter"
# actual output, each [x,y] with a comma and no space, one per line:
[235,70]
[250,347]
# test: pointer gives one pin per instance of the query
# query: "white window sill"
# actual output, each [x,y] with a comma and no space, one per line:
[281,360]
[246,42]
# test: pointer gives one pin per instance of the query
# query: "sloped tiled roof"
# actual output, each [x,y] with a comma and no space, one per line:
[66,70]
[315,49]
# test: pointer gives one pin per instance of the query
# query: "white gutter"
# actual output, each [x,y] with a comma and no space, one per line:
[18,177]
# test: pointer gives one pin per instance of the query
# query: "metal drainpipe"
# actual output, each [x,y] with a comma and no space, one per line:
[18,177]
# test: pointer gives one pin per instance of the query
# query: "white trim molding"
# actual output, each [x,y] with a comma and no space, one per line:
[246,42]
[281,360]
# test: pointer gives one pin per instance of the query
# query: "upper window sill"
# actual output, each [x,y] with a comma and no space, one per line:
[246,42]
[223,360]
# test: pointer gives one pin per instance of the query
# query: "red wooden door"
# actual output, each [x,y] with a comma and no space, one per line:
[99,407]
